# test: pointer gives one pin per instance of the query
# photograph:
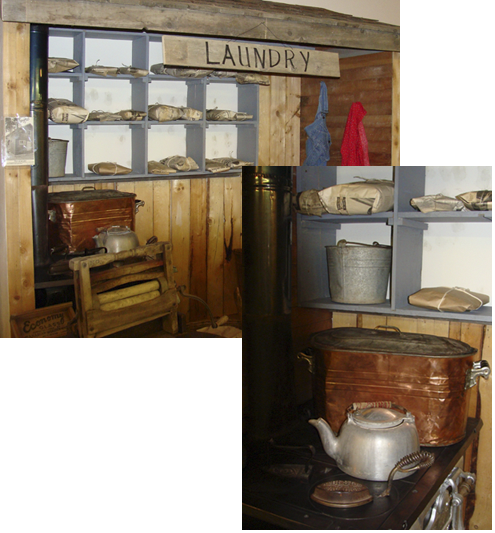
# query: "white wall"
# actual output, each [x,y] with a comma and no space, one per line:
[383,10]
[458,254]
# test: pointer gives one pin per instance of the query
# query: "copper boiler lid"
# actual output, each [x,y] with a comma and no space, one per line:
[362,340]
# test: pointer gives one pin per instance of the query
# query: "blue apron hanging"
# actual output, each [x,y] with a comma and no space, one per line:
[319,141]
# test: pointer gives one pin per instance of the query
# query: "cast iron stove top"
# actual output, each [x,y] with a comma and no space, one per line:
[276,492]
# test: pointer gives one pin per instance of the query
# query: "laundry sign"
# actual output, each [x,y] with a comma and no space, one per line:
[242,56]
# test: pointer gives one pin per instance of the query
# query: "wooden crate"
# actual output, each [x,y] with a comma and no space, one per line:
[117,291]
[47,322]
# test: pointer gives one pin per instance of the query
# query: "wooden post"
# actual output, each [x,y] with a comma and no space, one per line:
[16,240]
[396,108]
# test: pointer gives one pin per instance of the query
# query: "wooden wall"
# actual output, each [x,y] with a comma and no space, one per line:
[367,79]
[280,110]
[202,218]
[16,241]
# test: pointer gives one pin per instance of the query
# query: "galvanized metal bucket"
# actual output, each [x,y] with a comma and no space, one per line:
[57,156]
[358,273]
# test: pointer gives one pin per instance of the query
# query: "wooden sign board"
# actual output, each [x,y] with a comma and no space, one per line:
[47,322]
[242,56]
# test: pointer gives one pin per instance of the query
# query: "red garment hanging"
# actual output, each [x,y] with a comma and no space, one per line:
[354,147]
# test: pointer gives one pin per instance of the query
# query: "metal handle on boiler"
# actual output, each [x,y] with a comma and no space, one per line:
[308,357]
[389,327]
[480,369]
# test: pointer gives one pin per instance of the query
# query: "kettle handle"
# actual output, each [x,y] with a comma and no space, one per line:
[366,405]
[417,460]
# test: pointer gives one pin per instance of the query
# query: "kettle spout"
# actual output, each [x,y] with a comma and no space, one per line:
[327,436]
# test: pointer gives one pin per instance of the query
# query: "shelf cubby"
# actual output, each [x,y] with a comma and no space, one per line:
[407,227]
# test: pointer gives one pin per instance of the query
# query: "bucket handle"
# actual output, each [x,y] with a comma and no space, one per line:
[342,243]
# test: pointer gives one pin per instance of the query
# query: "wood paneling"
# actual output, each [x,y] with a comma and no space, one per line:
[202,218]
[367,79]
[17,268]
[482,517]
[279,127]
[396,109]
[251,19]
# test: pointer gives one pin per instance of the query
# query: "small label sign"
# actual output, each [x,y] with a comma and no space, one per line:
[231,55]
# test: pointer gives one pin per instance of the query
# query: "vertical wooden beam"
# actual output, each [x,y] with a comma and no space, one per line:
[279,125]
[396,108]
[278,97]
[16,248]
[264,126]
[293,122]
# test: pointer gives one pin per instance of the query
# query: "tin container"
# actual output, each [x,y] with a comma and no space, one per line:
[358,273]
[76,216]
[57,156]
[429,376]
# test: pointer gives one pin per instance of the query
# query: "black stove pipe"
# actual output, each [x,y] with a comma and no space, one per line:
[267,338]
[39,171]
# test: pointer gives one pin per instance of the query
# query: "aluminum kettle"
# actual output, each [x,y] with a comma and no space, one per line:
[372,440]
[116,239]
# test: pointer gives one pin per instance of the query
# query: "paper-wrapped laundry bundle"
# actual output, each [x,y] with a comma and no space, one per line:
[133,71]
[108,169]
[436,202]
[215,166]
[132,115]
[101,70]
[356,198]
[61,64]
[180,163]
[155,167]
[223,164]
[453,299]
[477,200]
[64,111]
[162,70]
[224,115]
[240,77]
[169,113]
[104,116]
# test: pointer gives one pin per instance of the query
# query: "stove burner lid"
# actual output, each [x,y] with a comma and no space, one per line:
[341,493]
